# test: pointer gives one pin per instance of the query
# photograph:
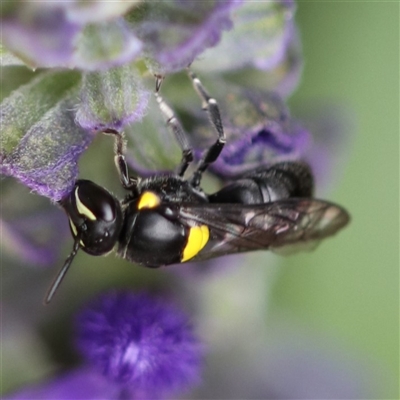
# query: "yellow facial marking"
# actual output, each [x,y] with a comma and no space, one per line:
[148,200]
[82,209]
[73,228]
[75,231]
[198,238]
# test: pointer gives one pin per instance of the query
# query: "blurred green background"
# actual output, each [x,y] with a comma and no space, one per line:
[349,288]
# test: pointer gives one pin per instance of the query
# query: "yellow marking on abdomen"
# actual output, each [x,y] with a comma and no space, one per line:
[198,238]
[82,209]
[148,200]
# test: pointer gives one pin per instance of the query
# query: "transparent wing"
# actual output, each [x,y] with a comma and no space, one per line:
[293,224]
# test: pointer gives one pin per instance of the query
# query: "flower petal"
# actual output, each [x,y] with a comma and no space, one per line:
[175,32]
[105,44]
[111,99]
[262,31]
[41,142]
[44,35]
[282,79]
[259,132]
[86,11]
[40,36]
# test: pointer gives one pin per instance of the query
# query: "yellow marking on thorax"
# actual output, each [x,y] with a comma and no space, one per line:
[148,200]
[82,209]
[198,238]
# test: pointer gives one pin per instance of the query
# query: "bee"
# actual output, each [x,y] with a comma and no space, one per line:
[167,219]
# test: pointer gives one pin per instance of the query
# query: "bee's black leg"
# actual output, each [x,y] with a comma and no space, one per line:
[211,106]
[128,183]
[176,128]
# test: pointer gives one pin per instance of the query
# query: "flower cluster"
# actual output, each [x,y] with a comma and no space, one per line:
[50,121]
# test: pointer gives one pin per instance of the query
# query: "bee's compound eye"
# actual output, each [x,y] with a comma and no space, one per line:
[94,202]
[95,216]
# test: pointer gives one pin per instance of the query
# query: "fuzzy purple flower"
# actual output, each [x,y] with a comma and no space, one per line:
[144,344]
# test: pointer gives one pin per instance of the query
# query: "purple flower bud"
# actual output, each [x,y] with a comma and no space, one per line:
[41,36]
[176,32]
[143,343]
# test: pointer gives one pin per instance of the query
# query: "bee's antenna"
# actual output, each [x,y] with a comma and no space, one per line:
[60,276]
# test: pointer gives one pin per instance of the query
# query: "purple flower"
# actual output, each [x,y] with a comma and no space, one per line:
[42,121]
[175,32]
[49,35]
[259,130]
[144,344]
[40,141]
[41,36]
[168,34]
[262,33]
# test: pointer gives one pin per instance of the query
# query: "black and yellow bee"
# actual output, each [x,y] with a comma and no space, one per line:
[167,219]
